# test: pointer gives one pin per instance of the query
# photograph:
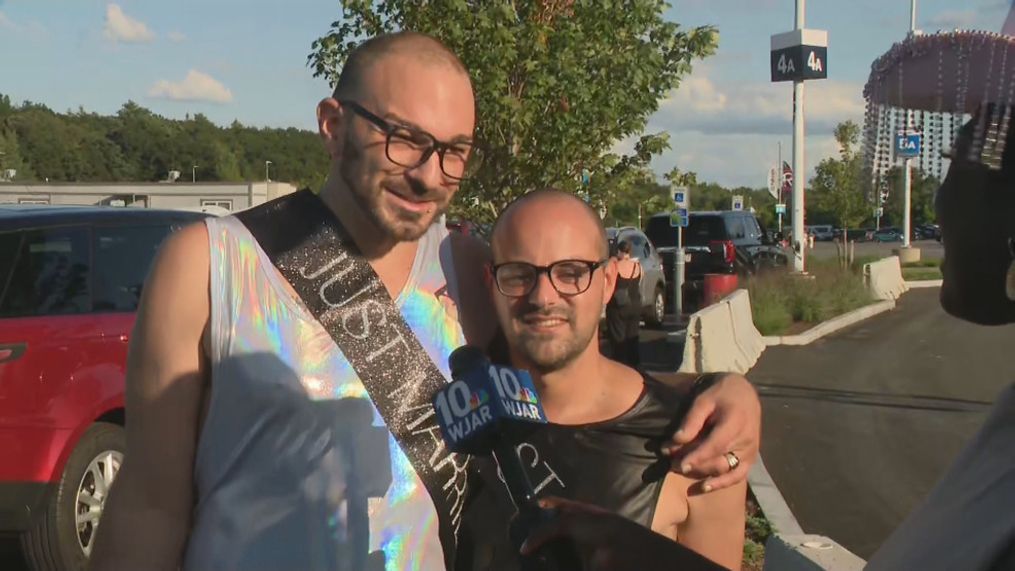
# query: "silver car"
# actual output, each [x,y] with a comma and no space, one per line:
[653,281]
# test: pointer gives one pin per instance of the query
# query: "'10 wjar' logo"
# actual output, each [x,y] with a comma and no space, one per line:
[466,405]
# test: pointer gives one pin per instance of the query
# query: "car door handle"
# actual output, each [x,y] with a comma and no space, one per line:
[12,351]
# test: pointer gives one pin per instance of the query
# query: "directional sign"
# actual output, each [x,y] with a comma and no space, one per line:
[738,202]
[799,55]
[907,145]
[780,209]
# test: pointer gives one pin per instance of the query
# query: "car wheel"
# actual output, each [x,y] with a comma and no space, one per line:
[658,313]
[63,534]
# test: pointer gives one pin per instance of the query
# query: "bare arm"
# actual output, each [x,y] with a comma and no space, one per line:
[715,525]
[147,518]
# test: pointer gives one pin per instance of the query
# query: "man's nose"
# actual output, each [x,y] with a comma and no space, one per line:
[543,293]
[426,175]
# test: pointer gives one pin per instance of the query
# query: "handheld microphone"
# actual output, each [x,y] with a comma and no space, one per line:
[488,409]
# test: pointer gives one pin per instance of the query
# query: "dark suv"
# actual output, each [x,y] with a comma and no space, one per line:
[727,242]
[70,280]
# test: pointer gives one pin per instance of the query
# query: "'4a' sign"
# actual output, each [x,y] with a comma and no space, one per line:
[907,146]
[800,55]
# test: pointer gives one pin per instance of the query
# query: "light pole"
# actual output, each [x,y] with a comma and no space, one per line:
[193,173]
[907,164]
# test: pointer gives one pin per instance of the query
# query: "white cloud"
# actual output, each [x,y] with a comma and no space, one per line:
[176,37]
[197,86]
[952,19]
[700,104]
[122,28]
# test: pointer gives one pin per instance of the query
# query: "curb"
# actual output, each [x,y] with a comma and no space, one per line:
[924,284]
[832,325]
[770,500]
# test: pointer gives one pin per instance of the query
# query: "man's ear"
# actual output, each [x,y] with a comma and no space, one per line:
[330,125]
[610,279]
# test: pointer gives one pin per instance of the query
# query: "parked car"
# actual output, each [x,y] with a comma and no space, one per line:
[888,235]
[726,242]
[653,282]
[70,281]
[928,232]
[821,232]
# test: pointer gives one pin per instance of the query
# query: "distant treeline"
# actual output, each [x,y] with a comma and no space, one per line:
[138,145]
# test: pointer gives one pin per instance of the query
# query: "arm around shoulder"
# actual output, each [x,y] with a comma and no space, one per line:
[147,516]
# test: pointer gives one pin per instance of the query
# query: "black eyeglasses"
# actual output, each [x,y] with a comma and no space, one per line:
[410,147]
[568,277]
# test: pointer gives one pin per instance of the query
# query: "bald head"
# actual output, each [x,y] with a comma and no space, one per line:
[420,47]
[550,207]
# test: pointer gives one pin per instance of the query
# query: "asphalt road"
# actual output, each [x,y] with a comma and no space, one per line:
[857,427]
[929,249]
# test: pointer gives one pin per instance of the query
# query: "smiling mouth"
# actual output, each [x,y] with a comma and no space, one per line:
[420,207]
[544,323]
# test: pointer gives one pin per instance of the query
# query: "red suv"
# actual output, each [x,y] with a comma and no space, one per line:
[70,280]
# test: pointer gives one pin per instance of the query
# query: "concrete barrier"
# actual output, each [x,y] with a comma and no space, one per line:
[884,278]
[722,337]
[808,553]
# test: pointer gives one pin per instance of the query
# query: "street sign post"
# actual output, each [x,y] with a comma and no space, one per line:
[680,218]
[799,56]
[780,209]
[738,202]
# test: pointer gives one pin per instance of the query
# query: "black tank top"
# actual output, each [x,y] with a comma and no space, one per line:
[613,464]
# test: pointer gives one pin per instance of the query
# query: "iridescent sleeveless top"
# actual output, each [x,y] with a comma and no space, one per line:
[268,486]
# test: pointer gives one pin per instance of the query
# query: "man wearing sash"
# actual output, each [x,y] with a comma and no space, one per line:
[272,347]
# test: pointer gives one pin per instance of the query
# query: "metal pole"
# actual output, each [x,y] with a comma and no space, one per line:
[193,173]
[798,159]
[678,282]
[907,165]
[782,179]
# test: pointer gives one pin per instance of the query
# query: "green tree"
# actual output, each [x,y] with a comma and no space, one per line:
[558,82]
[836,186]
[924,188]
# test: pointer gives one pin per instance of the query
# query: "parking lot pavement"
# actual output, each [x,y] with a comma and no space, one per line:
[858,426]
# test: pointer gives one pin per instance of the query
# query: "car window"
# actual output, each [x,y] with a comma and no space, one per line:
[701,230]
[735,225]
[753,228]
[48,275]
[661,233]
[646,248]
[123,257]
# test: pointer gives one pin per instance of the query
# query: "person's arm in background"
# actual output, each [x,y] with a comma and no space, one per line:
[148,513]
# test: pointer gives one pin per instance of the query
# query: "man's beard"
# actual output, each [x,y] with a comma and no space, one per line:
[369,202]
[550,354]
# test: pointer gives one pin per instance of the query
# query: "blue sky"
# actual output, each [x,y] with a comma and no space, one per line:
[246,60]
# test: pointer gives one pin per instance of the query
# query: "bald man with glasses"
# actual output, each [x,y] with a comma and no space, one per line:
[550,278]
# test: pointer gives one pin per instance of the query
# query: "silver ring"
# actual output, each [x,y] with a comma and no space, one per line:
[732,460]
